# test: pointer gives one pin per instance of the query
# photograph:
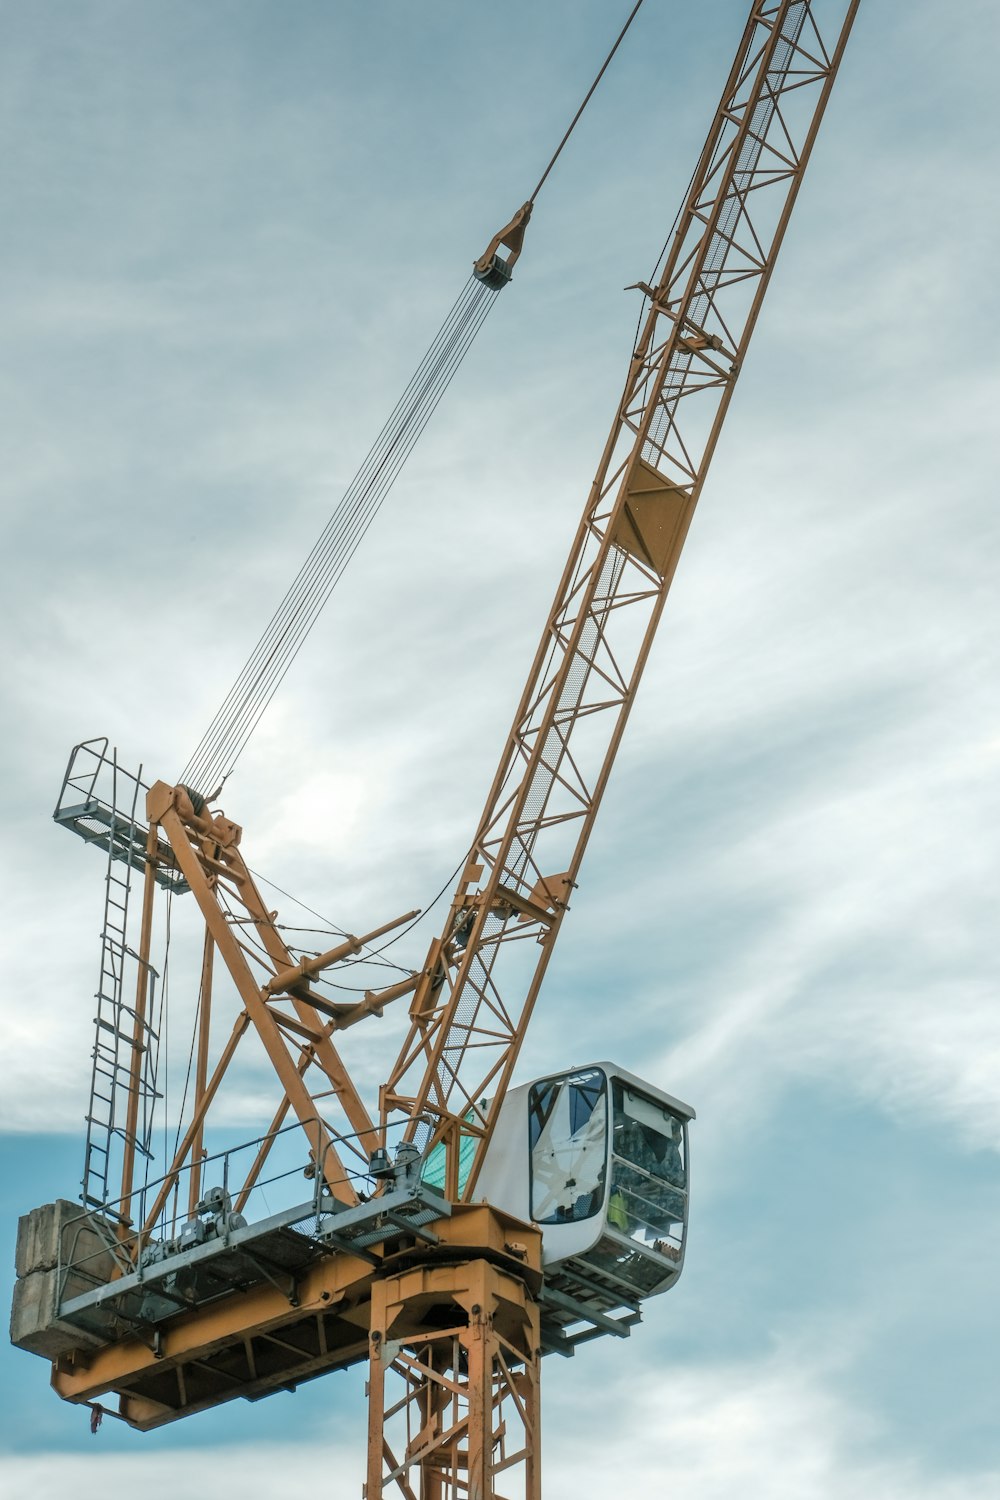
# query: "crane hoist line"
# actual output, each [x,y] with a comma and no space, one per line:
[462,1224]
[226,737]
[252,691]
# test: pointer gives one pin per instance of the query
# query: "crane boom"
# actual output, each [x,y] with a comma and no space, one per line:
[469,1014]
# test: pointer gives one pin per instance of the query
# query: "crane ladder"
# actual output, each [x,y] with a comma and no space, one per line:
[120,1031]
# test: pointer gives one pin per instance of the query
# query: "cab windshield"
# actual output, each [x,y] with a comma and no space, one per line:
[568,1140]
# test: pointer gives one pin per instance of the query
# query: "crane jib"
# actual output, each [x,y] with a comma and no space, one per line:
[469,1015]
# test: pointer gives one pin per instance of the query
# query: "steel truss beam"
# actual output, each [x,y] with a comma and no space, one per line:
[470,1011]
[296,1037]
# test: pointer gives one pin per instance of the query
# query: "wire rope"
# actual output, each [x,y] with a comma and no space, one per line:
[253,689]
[220,747]
[332,540]
[364,957]
[587,98]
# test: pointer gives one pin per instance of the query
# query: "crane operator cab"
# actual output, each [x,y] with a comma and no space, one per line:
[599,1159]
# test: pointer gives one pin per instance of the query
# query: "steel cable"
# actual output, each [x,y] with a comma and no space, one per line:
[247,699]
[256,684]
[318,557]
[363,516]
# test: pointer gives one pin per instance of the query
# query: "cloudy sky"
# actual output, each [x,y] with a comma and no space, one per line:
[230,230]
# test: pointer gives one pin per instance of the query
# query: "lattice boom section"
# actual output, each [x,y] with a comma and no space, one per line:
[470,1015]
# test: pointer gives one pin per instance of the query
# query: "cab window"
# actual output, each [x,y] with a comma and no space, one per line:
[648,1197]
[568,1144]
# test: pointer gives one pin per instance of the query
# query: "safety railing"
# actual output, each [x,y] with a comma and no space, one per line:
[97,801]
[105,1262]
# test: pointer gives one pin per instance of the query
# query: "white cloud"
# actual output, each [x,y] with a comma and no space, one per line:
[774,1427]
[771,1427]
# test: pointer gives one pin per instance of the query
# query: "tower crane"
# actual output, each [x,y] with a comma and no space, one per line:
[457,1229]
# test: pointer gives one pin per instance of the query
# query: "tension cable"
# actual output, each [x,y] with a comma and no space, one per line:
[226,737]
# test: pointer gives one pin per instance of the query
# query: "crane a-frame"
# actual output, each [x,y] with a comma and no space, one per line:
[461,1228]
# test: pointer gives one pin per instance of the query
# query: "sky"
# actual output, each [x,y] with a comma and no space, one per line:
[230,233]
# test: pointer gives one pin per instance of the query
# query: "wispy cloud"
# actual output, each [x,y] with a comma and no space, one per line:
[773,1427]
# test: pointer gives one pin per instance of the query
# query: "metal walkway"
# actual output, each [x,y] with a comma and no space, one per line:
[98,801]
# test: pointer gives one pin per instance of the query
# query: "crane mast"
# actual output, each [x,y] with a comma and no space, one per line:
[482,977]
[441,1292]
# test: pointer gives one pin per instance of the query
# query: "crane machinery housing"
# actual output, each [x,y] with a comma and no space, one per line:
[456,1229]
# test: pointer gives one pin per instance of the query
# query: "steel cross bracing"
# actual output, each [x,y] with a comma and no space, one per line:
[454,1409]
[470,1011]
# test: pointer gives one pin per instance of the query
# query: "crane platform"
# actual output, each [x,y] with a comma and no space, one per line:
[242,1310]
[249,1310]
[98,801]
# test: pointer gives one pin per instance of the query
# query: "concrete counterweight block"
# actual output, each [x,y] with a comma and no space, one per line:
[62,1252]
